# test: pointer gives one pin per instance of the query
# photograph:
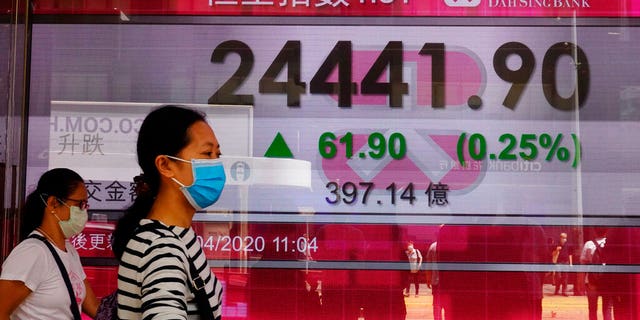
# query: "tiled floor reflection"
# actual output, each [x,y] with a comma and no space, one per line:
[553,307]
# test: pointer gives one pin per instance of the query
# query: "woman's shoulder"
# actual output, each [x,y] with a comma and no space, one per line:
[153,249]
[155,236]
[153,229]
[27,253]
[30,246]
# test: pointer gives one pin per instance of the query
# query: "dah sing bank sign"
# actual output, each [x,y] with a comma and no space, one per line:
[520,3]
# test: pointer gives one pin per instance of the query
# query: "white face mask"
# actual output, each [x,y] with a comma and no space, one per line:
[77,220]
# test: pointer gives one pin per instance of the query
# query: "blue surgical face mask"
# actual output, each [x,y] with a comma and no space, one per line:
[208,182]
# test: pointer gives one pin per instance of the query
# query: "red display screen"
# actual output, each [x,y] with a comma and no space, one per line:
[331,271]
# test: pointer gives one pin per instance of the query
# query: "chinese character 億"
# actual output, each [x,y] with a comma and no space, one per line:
[437,194]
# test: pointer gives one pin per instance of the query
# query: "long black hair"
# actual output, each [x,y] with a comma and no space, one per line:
[163,132]
[58,182]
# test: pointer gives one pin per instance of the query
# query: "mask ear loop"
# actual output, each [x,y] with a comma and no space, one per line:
[42,195]
[178,182]
[176,158]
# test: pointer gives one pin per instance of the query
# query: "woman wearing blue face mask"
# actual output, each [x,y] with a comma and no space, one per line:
[163,272]
[42,278]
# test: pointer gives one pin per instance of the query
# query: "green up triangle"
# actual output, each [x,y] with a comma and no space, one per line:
[278,148]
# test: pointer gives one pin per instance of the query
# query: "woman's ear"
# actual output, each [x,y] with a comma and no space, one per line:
[52,202]
[165,166]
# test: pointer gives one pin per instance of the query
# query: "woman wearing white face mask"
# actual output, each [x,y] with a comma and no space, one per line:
[163,272]
[42,278]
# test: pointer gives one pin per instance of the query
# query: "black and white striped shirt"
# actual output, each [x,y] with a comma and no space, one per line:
[154,273]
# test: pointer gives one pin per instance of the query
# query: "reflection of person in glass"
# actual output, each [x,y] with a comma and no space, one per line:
[563,255]
[596,287]
[157,248]
[433,280]
[623,249]
[415,264]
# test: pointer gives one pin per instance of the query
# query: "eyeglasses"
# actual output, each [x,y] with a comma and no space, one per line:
[83,204]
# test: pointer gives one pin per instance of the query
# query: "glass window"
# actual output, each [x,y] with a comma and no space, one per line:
[384,159]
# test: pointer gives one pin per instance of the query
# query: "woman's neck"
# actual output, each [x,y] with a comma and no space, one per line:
[53,234]
[172,209]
